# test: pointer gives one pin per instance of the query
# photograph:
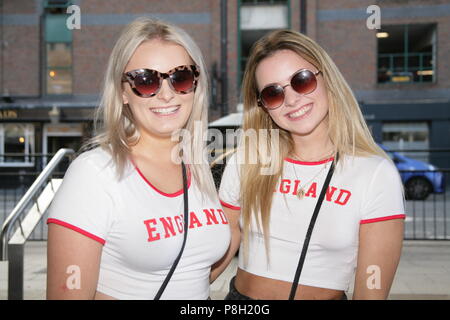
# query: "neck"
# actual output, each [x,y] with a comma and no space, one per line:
[153,147]
[309,148]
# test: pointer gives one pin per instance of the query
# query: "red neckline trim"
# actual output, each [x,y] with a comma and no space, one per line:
[170,195]
[305,163]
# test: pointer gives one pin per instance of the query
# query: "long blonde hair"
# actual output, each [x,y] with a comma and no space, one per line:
[116,130]
[347,129]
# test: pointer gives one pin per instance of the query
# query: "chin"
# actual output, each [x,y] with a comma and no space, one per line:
[167,132]
[168,126]
[307,128]
[161,131]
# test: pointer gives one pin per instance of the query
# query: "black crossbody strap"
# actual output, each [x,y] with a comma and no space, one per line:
[311,227]
[186,227]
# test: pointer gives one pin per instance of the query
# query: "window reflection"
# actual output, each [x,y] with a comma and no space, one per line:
[17,142]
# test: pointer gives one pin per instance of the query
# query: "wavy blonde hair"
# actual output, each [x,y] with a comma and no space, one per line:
[347,128]
[116,130]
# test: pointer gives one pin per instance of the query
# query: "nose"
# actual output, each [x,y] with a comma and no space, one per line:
[291,97]
[165,93]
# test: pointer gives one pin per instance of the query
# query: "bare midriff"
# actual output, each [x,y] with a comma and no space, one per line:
[262,288]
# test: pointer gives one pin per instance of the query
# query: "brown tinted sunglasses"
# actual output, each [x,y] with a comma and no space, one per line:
[146,83]
[303,81]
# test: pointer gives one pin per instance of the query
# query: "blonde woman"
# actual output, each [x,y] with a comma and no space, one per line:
[292,85]
[116,225]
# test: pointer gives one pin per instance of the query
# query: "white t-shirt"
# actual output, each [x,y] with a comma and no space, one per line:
[141,229]
[365,190]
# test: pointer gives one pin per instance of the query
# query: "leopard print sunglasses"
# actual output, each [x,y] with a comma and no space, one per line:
[146,83]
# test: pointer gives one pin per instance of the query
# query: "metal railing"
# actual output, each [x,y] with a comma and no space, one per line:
[13,237]
[429,218]
[16,178]
[411,65]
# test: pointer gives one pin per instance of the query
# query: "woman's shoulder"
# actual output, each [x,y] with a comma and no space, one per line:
[97,161]
[368,164]
[97,154]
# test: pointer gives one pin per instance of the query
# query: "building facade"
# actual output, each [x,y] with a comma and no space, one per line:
[51,75]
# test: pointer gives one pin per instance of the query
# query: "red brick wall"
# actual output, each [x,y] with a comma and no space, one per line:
[93,43]
[20,52]
[352,46]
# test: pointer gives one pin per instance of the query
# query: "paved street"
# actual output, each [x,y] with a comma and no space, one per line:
[423,273]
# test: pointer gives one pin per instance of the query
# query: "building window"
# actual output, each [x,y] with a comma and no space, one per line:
[406,53]
[407,136]
[263,1]
[61,135]
[16,144]
[59,68]
[256,18]
[58,49]
[56,6]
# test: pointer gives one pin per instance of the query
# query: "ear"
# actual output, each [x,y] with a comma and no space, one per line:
[124,97]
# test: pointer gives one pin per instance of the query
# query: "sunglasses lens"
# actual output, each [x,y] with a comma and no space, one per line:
[272,96]
[304,82]
[146,83]
[182,80]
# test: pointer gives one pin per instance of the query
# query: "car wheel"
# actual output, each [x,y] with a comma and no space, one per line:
[418,188]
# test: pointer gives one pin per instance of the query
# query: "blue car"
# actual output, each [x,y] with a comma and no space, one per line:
[419,178]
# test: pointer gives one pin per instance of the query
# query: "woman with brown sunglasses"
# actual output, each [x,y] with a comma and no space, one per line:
[118,223]
[332,209]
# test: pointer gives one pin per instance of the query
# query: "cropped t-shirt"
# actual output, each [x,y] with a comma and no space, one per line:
[141,229]
[364,190]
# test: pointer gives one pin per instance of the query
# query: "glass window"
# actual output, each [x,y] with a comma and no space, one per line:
[407,136]
[258,17]
[263,1]
[59,55]
[58,49]
[56,6]
[406,53]
[16,143]
[59,68]
[14,140]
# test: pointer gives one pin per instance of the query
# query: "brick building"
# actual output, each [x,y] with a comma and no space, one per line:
[50,76]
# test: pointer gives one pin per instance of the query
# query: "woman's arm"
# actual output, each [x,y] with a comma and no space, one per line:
[73,262]
[221,265]
[380,245]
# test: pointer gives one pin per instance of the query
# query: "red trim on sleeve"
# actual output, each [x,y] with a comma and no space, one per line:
[398,216]
[74,228]
[229,205]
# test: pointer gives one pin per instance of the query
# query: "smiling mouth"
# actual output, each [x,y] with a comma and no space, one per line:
[300,112]
[165,110]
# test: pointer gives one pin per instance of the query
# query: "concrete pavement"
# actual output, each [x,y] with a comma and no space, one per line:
[423,273]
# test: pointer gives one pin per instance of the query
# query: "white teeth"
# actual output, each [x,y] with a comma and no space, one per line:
[166,110]
[300,112]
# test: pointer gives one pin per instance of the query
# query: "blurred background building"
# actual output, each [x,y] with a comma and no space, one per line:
[51,79]
[51,76]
